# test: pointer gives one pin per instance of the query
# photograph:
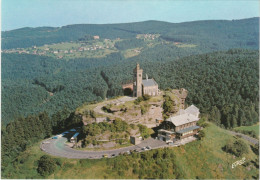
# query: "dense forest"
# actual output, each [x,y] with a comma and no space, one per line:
[217,34]
[224,84]
[23,132]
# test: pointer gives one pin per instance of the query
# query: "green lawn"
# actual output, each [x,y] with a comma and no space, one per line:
[131,52]
[206,159]
[254,128]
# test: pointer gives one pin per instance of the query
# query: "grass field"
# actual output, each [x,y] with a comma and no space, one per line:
[254,128]
[198,159]
[131,52]
[71,50]
[206,159]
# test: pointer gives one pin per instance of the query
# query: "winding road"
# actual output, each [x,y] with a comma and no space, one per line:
[57,147]
[248,138]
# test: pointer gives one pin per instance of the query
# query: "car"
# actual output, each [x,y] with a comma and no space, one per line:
[55,137]
[144,148]
[105,156]
[128,152]
[113,155]
[148,147]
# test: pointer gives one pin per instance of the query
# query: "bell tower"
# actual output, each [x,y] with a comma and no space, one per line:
[138,76]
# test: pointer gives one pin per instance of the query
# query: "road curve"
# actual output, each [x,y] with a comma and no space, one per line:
[248,138]
[57,147]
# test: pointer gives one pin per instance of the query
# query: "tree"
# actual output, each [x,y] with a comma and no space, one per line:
[201,134]
[215,115]
[46,165]
[237,148]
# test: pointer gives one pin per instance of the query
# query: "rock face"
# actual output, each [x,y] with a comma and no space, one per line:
[135,116]
[147,112]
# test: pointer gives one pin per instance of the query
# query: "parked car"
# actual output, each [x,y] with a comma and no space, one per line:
[105,155]
[144,148]
[148,147]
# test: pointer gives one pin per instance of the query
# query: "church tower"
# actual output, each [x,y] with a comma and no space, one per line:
[138,73]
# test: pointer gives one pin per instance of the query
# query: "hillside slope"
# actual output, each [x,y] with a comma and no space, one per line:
[212,80]
[216,34]
[200,159]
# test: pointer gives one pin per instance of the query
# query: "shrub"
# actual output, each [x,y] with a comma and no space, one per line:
[146,97]
[46,165]
[237,148]
[201,134]
[143,110]
[145,132]
[255,149]
[138,100]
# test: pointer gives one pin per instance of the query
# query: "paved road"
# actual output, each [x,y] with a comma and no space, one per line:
[57,147]
[248,138]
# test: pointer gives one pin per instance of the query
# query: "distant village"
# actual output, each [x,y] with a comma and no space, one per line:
[51,49]
[54,50]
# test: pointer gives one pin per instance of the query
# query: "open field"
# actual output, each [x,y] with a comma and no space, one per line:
[73,49]
[131,52]
[254,128]
[206,159]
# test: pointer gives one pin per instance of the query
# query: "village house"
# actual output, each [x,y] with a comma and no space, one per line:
[180,126]
[96,37]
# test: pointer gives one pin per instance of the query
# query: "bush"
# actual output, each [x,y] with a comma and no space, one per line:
[143,110]
[138,100]
[168,105]
[46,165]
[145,132]
[255,149]
[201,122]
[237,148]
[146,97]
[201,134]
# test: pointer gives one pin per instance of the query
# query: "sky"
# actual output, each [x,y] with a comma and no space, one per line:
[35,13]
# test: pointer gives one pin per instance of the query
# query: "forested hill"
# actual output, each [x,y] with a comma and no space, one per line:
[215,34]
[215,60]
[223,84]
